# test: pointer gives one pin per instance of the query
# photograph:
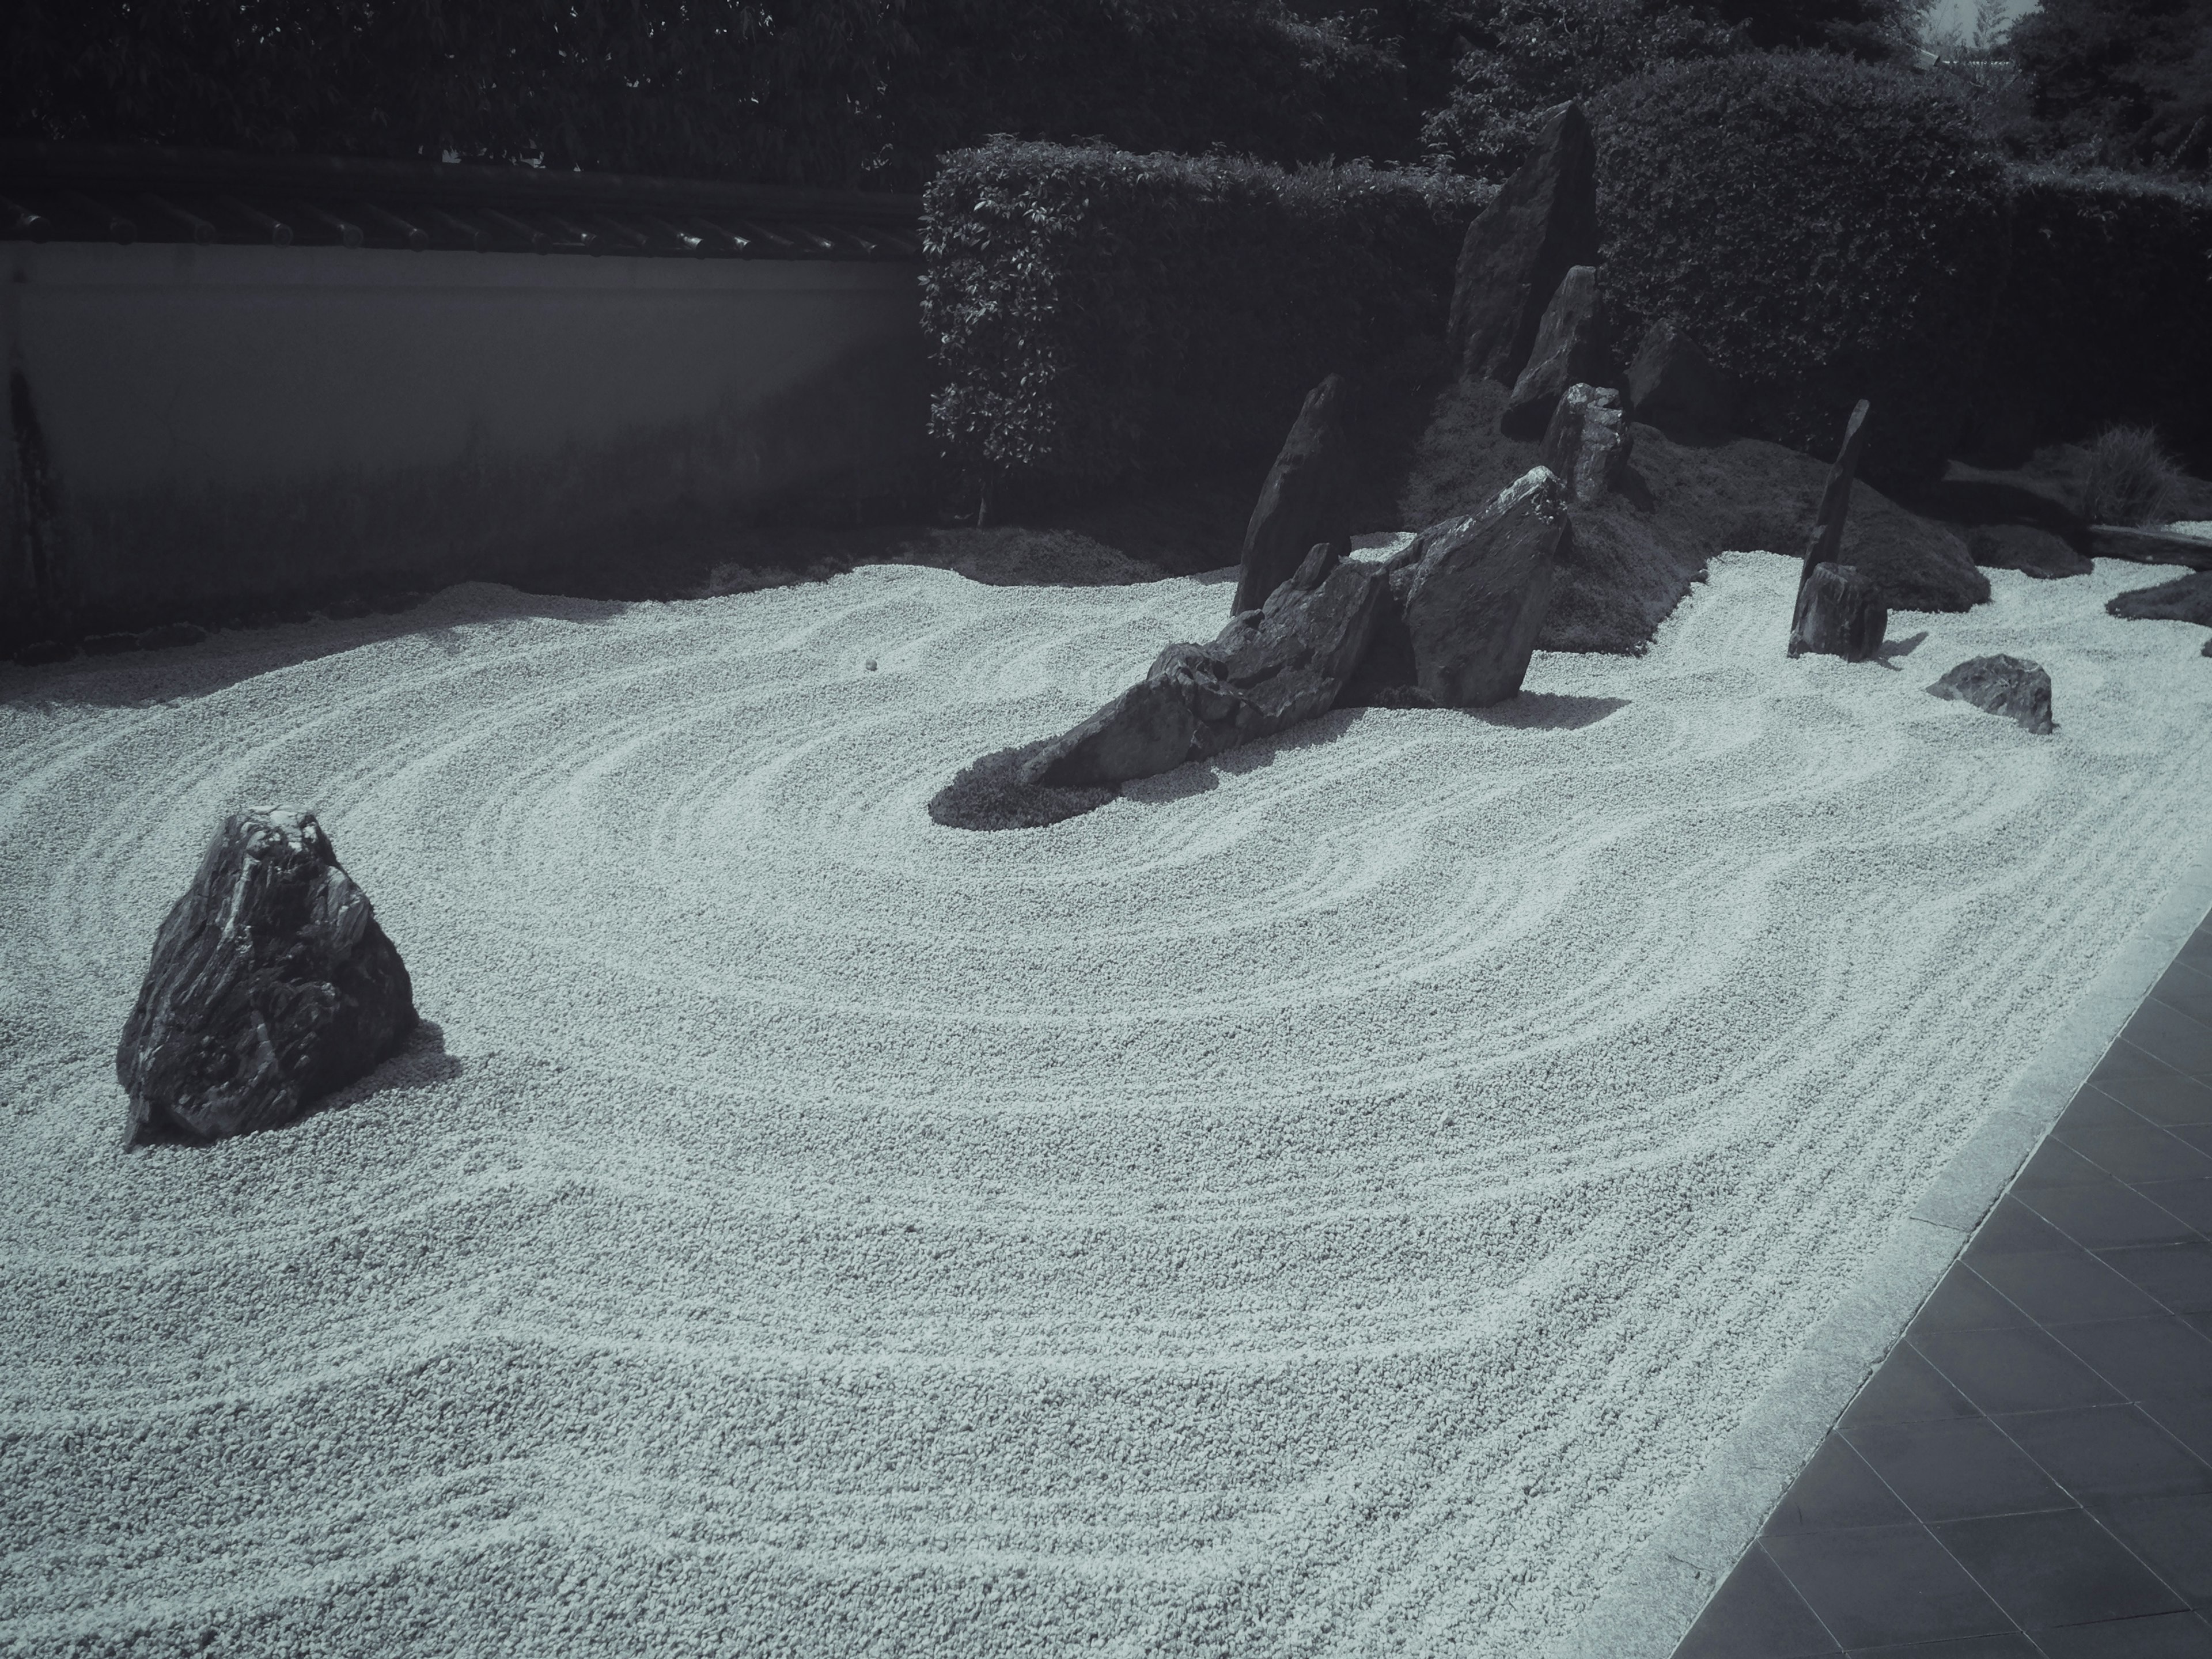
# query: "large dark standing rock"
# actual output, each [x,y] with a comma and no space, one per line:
[1306,498]
[1839,614]
[1542,223]
[1674,386]
[2025,547]
[1466,601]
[1839,611]
[1587,445]
[272,984]
[2002,685]
[1266,670]
[1826,540]
[1569,347]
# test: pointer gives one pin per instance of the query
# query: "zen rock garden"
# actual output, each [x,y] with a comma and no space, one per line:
[271,983]
[1452,620]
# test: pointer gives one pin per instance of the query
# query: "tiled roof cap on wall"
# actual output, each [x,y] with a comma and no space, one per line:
[79,193]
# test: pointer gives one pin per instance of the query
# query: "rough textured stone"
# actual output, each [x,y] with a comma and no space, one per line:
[1839,614]
[1826,540]
[1541,224]
[271,984]
[1674,386]
[2185,598]
[2027,548]
[1306,498]
[2002,685]
[1569,347]
[1587,445]
[1466,602]
[2113,541]
[1268,670]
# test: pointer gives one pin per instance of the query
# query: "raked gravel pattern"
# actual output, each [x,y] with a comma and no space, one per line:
[1325,1203]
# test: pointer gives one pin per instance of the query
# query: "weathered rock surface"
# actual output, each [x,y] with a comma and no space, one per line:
[1266,670]
[2185,598]
[1306,498]
[2028,548]
[1587,446]
[272,984]
[1539,225]
[1569,347]
[2113,541]
[2002,685]
[1466,602]
[1674,386]
[1827,541]
[1839,614]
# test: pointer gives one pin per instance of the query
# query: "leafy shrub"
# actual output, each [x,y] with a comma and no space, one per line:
[2107,314]
[2124,82]
[1140,75]
[1527,56]
[713,88]
[1826,229]
[1097,314]
[2131,479]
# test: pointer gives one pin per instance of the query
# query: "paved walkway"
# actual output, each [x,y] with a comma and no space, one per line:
[2028,1474]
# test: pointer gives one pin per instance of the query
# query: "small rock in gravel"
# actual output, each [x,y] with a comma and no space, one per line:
[2002,685]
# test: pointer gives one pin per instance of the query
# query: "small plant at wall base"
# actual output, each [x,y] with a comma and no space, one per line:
[2131,479]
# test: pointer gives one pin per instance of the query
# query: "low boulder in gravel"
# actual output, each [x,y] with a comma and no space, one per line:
[1587,446]
[1839,614]
[2185,598]
[2026,548]
[272,984]
[1465,602]
[1541,223]
[1268,670]
[2002,685]
[1570,348]
[1306,498]
[1674,386]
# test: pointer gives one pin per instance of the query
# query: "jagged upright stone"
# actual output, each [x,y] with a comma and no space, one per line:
[1570,348]
[1839,614]
[1826,540]
[1306,498]
[1465,602]
[1587,445]
[2005,685]
[271,984]
[1542,222]
[1674,386]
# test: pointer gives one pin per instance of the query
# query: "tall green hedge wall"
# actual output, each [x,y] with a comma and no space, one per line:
[1827,230]
[2108,313]
[1098,314]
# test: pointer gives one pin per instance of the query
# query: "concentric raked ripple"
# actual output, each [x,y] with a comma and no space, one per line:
[1328,1202]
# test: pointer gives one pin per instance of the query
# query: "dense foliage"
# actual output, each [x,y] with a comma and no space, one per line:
[1162,75]
[2121,82]
[709,87]
[2107,315]
[1099,314]
[1826,229]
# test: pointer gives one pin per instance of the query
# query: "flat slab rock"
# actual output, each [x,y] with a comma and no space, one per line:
[2002,685]
[272,984]
[2185,598]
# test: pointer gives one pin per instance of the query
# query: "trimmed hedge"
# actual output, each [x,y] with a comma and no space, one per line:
[1098,315]
[1826,229]
[2108,314]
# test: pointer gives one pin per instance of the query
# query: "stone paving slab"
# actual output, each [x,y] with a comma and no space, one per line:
[2020,1473]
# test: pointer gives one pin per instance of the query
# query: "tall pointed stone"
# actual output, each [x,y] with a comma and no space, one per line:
[1542,224]
[1305,499]
[1570,348]
[1826,540]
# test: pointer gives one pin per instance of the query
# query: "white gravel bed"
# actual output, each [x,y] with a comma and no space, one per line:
[1324,1203]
